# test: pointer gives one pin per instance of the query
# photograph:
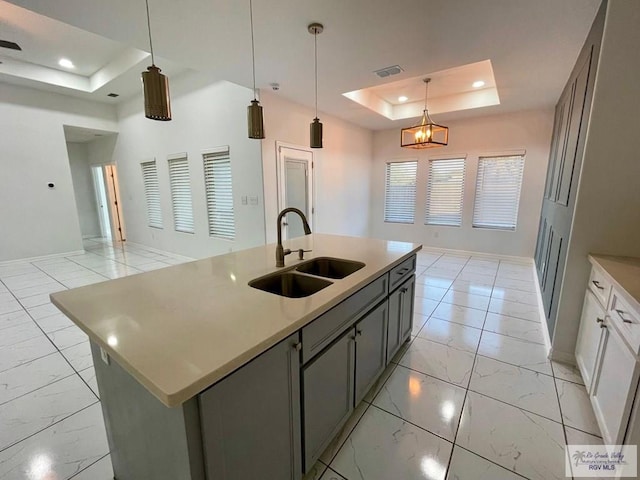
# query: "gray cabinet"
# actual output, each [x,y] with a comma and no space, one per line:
[400,316]
[250,421]
[371,349]
[328,385]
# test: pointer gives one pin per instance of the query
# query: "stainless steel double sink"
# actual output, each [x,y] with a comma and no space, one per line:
[306,278]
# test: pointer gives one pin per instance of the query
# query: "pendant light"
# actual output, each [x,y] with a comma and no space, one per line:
[427,134]
[316,126]
[255,122]
[157,105]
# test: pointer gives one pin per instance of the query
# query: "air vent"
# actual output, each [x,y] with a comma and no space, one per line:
[113,95]
[10,45]
[388,71]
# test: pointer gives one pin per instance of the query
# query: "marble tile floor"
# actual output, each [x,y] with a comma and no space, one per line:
[471,396]
[51,425]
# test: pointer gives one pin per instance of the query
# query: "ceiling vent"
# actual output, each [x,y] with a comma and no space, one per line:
[388,71]
[10,45]
[113,95]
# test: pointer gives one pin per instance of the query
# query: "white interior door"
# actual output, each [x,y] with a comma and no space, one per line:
[101,201]
[295,187]
[115,206]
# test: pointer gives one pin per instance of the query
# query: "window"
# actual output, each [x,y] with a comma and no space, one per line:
[152,193]
[181,193]
[218,185]
[444,192]
[400,192]
[498,192]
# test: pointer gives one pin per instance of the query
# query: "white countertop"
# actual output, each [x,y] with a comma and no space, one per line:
[625,271]
[179,330]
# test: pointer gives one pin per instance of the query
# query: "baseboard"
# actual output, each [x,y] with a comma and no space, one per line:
[42,257]
[562,357]
[511,258]
[157,250]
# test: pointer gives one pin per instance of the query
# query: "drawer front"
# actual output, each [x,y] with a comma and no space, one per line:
[401,272]
[324,329]
[600,286]
[627,319]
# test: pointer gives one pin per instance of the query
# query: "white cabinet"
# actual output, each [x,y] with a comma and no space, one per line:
[589,337]
[608,347]
[615,386]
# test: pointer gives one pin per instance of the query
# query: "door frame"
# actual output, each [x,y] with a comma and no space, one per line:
[280,181]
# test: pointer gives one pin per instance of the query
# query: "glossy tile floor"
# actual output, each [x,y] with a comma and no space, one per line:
[51,425]
[472,396]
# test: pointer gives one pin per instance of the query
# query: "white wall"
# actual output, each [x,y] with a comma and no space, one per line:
[37,220]
[607,217]
[342,168]
[83,189]
[530,131]
[205,115]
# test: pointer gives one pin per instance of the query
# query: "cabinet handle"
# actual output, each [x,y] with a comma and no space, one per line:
[602,325]
[404,290]
[297,346]
[402,271]
[359,332]
[597,284]
[625,320]
[599,320]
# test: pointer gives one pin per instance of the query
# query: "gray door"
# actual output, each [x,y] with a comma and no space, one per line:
[565,160]
[407,297]
[395,314]
[296,184]
[371,346]
[251,419]
[328,396]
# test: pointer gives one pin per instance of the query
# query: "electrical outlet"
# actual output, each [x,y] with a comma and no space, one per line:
[104,356]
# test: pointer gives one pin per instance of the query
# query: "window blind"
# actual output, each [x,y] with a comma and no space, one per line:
[152,193]
[181,194]
[400,192]
[444,192]
[498,192]
[218,185]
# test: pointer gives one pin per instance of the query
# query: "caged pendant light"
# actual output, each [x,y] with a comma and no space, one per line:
[255,123]
[427,134]
[316,126]
[157,105]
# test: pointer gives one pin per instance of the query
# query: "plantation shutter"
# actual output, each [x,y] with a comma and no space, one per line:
[181,193]
[218,185]
[152,193]
[444,192]
[498,192]
[400,192]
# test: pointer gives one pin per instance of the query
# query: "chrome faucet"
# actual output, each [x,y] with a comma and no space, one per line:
[281,252]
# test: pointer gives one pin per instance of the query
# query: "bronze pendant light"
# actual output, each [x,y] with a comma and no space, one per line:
[157,105]
[255,122]
[427,134]
[316,126]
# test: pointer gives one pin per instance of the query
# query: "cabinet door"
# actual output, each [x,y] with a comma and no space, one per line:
[407,298]
[371,349]
[394,339]
[589,337]
[251,419]
[615,386]
[328,396]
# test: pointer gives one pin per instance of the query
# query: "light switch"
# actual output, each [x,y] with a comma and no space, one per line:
[253,200]
[244,200]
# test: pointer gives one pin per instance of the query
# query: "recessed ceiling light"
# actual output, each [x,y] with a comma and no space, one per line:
[477,84]
[66,63]
[402,99]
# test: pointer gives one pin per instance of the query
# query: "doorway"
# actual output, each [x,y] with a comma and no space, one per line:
[295,187]
[105,182]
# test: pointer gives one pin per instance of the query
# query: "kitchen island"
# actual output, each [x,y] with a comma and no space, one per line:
[203,376]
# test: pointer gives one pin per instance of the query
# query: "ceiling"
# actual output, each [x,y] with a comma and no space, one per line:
[74,134]
[532,45]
